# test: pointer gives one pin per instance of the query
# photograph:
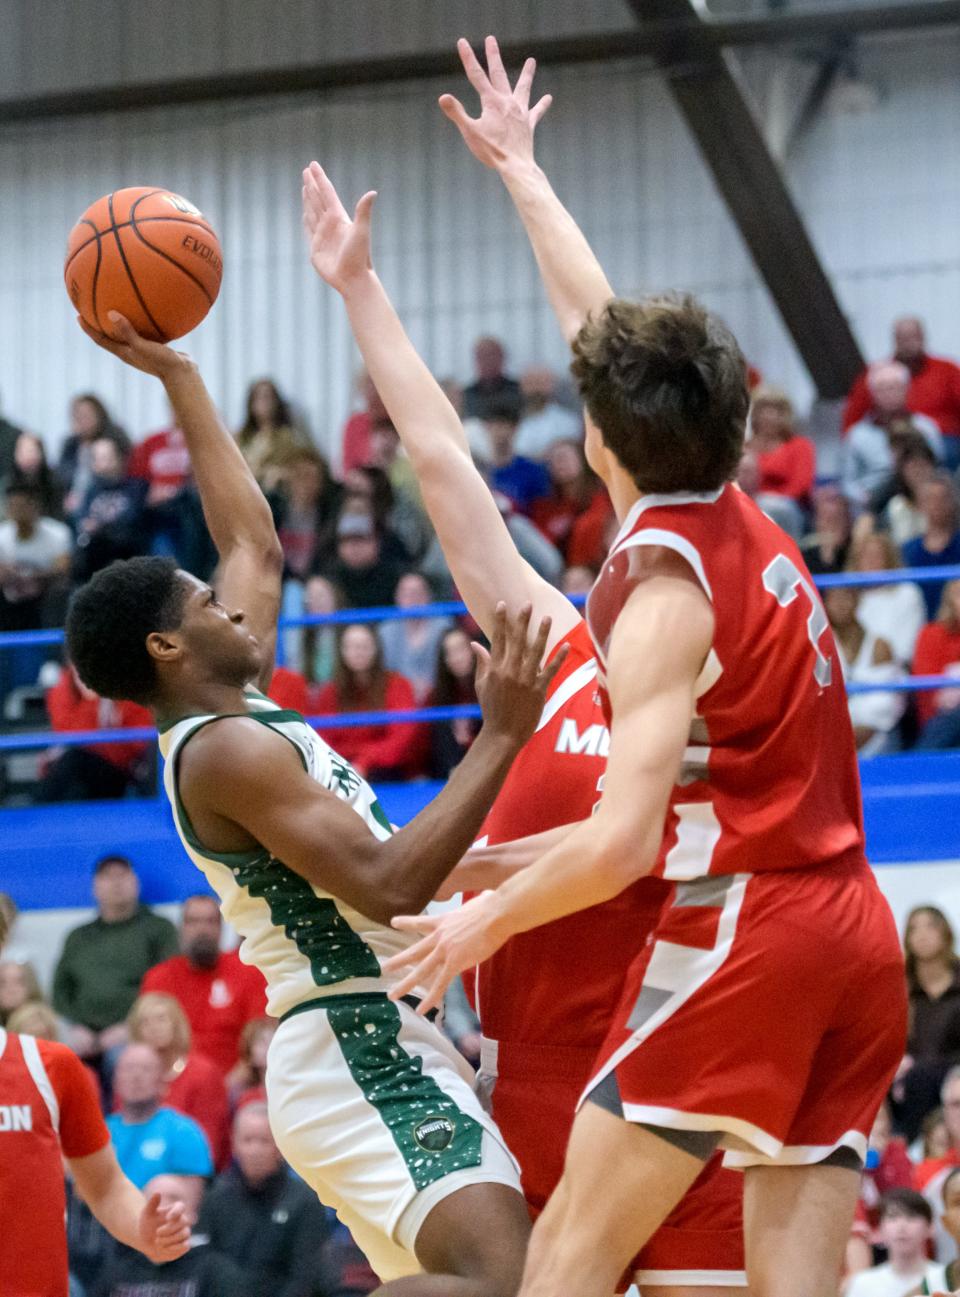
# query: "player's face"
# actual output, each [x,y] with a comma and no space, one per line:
[593,447]
[217,637]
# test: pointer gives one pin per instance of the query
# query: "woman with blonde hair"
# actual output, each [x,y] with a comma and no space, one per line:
[894,611]
[938,653]
[35,1018]
[194,1085]
[18,986]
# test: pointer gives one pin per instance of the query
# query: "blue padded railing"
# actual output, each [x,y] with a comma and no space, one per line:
[427,715]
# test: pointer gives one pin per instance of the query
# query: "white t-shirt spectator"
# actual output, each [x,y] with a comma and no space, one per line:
[880,1281]
[536,433]
[32,558]
[895,613]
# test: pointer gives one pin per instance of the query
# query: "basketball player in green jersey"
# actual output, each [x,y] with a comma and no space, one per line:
[368,1100]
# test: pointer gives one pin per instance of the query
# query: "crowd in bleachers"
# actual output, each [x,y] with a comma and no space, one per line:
[362,540]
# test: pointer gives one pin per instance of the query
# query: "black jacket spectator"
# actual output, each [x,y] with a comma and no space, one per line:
[492,390]
[201,1272]
[360,571]
[111,520]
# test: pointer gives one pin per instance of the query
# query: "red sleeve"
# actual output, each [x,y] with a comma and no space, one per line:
[928,660]
[82,1128]
[401,746]
[858,403]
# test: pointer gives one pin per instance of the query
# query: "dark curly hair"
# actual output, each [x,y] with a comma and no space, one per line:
[109,621]
[665,382]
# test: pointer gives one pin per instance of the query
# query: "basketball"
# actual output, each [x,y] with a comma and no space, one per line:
[147,253]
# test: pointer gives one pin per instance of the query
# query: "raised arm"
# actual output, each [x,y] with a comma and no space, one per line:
[270,800]
[653,695]
[456,497]
[502,139]
[238,516]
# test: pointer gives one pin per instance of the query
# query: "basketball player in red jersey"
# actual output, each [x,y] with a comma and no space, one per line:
[767,1015]
[49,1110]
[542,1026]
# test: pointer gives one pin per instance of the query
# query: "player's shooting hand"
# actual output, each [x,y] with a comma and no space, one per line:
[339,244]
[164,1231]
[504,130]
[450,943]
[140,353]
[510,684]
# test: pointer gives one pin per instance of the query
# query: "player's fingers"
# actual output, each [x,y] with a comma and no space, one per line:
[451,107]
[482,660]
[519,634]
[415,976]
[125,329]
[498,642]
[521,91]
[471,65]
[495,69]
[422,923]
[537,648]
[329,196]
[434,993]
[364,210]
[539,108]
[553,666]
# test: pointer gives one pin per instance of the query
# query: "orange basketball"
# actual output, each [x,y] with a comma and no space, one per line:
[148,254]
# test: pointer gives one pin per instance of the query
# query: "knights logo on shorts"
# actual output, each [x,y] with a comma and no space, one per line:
[435,1134]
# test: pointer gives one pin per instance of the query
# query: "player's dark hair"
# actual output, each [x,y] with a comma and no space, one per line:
[109,621]
[905,1202]
[666,384]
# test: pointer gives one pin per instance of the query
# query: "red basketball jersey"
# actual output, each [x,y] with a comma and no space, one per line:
[560,984]
[769,780]
[47,1104]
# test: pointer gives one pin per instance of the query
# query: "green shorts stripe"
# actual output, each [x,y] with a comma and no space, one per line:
[431,1132]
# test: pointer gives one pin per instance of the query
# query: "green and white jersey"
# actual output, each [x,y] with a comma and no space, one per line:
[306,942]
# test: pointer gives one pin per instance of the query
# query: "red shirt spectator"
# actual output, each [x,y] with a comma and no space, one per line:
[938,649]
[361,683]
[50,1111]
[572,491]
[288,689]
[218,993]
[163,462]
[591,534]
[790,469]
[934,384]
[72,706]
[356,438]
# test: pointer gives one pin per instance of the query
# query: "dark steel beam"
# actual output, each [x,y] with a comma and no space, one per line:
[753,188]
[655,39]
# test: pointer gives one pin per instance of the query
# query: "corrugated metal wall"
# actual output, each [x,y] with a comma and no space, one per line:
[880,191]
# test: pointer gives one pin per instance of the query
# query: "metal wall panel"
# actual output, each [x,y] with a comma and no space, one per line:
[880,191]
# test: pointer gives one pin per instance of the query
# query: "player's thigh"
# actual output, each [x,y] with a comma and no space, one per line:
[796,1224]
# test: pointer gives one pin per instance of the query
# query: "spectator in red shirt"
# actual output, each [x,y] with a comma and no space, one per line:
[573,487]
[934,386]
[355,438]
[361,683]
[781,464]
[888,1166]
[217,992]
[592,533]
[54,1114]
[163,462]
[938,653]
[102,770]
[193,1084]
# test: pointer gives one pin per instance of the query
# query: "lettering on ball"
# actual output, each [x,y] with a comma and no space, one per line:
[204,251]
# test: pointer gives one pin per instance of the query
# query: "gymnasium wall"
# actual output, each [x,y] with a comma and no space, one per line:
[880,190]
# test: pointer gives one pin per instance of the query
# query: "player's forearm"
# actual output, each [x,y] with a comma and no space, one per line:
[233,504]
[420,411]
[484,867]
[416,860]
[592,864]
[118,1205]
[571,273]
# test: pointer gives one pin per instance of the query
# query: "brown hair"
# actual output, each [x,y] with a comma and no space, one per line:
[34,993]
[945,613]
[666,384]
[946,929]
[349,696]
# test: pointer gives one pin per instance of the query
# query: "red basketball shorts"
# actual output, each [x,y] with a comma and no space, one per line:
[535,1091]
[770,1007]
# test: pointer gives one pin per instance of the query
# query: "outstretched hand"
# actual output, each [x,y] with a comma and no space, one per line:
[449,943]
[339,245]
[504,130]
[140,353]
[164,1231]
